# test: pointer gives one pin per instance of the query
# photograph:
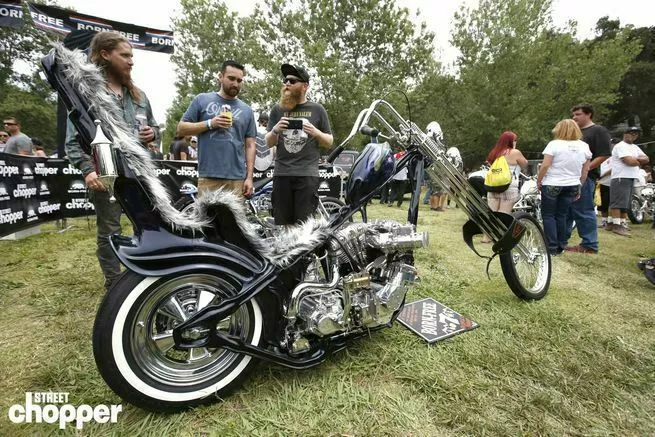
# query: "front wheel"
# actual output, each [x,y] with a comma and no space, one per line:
[527,267]
[134,348]
[635,213]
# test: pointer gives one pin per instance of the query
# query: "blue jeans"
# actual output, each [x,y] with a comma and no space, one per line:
[584,214]
[555,204]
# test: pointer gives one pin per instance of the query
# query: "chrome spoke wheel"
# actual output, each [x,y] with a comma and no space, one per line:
[170,304]
[527,267]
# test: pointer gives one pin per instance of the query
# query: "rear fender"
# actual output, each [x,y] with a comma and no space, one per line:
[161,253]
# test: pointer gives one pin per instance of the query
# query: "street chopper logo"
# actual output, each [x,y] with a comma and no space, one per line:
[9,217]
[22,191]
[79,204]
[48,208]
[187,171]
[7,171]
[53,408]
[42,169]
[71,170]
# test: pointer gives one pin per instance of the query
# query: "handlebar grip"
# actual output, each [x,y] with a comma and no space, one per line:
[367,130]
[336,152]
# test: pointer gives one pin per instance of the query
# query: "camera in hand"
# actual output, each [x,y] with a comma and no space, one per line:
[295,123]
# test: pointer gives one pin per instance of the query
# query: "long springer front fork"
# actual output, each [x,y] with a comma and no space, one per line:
[455,184]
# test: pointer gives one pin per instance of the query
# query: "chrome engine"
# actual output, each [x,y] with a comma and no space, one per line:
[366,297]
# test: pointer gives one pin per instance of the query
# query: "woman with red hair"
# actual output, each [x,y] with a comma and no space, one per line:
[506,145]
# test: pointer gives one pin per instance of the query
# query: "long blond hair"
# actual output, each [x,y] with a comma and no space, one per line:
[567,129]
[109,41]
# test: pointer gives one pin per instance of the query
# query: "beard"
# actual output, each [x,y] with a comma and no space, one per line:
[231,91]
[289,98]
[123,77]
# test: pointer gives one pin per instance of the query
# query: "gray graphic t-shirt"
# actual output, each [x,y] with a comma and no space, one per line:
[221,152]
[298,153]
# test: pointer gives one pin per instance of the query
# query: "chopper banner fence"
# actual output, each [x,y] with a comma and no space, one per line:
[37,190]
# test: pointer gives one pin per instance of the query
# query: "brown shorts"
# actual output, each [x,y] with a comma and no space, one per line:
[210,184]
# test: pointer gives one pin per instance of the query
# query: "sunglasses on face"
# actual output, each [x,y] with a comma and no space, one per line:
[9,124]
[291,80]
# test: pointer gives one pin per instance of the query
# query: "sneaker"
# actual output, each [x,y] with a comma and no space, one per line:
[580,249]
[650,274]
[610,227]
[602,225]
[622,230]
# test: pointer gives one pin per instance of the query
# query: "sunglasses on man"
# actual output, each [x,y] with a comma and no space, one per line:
[7,123]
[291,80]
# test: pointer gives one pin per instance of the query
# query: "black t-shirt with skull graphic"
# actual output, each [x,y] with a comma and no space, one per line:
[298,153]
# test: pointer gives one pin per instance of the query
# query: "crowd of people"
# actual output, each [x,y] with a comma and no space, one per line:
[219,131]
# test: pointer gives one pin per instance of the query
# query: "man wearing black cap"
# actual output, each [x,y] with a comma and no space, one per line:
[626,159]
[297,127]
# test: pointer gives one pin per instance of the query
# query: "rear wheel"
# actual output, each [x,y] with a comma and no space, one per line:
[527,267]
[635,213]
[134,348]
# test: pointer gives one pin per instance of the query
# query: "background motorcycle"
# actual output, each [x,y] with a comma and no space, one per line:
[530,200]
[530,197]
[642,203]
[204,297]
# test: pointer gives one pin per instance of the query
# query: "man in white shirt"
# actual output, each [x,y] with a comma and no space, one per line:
[626,159]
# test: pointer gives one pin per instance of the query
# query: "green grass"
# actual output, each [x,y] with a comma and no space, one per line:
[579,362]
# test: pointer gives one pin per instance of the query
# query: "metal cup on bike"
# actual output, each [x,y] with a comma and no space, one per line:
[104,161]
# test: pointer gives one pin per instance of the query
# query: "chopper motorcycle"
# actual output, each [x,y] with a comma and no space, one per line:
[204,297]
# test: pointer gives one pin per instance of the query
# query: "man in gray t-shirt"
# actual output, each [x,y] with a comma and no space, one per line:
[226,139]
[297,127]
[18,143]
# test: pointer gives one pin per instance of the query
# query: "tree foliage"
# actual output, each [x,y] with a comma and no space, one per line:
[637,89]
[356,51]
[27,96]
[518,72]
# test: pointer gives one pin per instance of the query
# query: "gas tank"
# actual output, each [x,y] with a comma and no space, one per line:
[369,172]
[648,191]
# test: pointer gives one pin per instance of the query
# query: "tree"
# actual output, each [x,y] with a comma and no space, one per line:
[26,96]
[517,72]
[637,89]
[359,51]
[207,34]
[356,51]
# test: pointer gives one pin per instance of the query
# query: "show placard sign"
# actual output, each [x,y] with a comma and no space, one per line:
[433,321]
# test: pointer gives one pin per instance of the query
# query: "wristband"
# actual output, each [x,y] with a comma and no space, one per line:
[275,132]
[209,124]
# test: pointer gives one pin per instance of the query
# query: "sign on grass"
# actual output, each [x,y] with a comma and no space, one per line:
[433,321]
